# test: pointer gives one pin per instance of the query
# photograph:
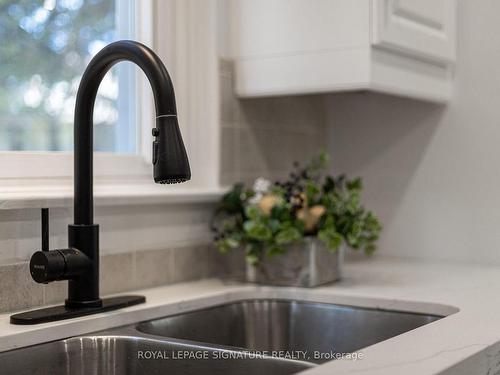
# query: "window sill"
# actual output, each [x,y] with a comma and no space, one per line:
[105,194]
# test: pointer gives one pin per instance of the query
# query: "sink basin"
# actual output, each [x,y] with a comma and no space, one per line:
[127,355]
[219,340]
[318,329]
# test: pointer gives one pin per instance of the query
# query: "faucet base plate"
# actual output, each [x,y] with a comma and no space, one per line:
[52,314]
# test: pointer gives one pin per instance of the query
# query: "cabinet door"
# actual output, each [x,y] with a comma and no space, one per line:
[422,28]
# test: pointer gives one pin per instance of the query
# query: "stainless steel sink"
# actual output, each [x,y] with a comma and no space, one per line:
[218,340]
[318,329]
[120,354]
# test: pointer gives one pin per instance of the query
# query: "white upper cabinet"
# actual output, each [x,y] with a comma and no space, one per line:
[287,47]
[423,28]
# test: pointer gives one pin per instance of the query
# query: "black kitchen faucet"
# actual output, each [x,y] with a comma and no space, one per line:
[79,263]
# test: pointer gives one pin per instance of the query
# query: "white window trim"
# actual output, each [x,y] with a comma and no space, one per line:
[183,33]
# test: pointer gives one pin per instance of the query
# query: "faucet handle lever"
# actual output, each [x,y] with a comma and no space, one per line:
[45,229]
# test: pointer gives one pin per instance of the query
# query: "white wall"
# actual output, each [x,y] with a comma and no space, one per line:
[433,173]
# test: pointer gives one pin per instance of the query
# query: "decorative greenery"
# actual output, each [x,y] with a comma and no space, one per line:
[266,218]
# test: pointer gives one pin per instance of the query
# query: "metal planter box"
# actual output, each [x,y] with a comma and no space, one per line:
[306,264]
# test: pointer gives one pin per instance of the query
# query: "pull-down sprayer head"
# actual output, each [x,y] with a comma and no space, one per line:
[170,161]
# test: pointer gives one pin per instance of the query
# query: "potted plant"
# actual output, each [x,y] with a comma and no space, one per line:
[294,232]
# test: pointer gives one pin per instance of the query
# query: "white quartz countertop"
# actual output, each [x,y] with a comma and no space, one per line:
[467,341]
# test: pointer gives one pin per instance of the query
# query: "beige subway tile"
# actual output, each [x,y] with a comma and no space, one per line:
[154,268]
[229,179]
[191,263]
[229,150]
[256,111]
[55,293]
[116,273]
[230,265]
[252,151]
[18,291]
[305,114]
[229,105]
[213,267]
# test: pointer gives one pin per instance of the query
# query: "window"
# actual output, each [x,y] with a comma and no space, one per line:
[46,45]
[36,77]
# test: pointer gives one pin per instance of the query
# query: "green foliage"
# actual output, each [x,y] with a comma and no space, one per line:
[330,237]
[258,230]
[288,235]
[241,222]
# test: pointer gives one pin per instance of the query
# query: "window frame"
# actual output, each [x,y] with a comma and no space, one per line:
[183,33]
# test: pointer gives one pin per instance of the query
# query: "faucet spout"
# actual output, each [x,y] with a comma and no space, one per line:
[169,154]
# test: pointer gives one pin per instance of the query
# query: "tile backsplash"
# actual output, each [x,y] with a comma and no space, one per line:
[121,273]
[141,247]
[263,136]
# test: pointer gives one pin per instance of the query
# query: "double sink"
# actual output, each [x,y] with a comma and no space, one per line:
[258,336]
